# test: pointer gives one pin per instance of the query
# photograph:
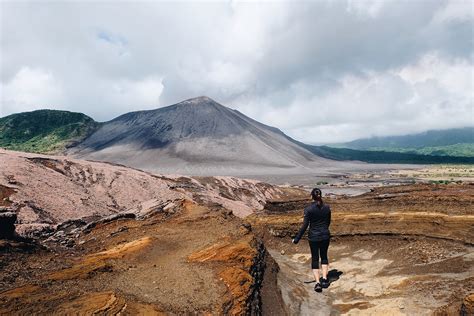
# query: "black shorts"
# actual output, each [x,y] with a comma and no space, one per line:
[319,248]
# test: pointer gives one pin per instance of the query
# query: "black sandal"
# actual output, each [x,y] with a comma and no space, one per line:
[318,288]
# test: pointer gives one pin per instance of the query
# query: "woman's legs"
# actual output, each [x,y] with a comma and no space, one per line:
[323,248]
[325,268]
[316,275]
[314,246]
[319,248]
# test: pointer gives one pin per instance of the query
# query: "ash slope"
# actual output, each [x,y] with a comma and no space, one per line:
[45,190]
[196,136]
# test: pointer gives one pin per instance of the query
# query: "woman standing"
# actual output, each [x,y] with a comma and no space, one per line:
[318,216]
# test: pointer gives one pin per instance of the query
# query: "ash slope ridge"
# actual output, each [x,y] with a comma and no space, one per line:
[196,136]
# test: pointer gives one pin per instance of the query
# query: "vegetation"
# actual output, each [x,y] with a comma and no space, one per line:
[434,138]
[456,150]
[383,156]
[455,145]
[44,131]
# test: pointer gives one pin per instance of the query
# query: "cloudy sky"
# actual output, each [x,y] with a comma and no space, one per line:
[321,71]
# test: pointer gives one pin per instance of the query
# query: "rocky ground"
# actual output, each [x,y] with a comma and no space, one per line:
[167,263]
[434,210]
[100,238]
[45,191]
[397,250]
[378,275]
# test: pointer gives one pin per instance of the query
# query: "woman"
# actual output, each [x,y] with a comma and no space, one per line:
[318,216]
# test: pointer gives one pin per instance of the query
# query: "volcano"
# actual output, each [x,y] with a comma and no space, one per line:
[196,136]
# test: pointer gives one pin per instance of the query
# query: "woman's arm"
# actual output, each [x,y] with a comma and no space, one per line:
[303,227]
[329,219]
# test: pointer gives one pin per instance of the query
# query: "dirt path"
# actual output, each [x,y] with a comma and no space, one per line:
[380,275]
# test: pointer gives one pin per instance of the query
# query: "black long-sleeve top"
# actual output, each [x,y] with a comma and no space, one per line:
[318,218]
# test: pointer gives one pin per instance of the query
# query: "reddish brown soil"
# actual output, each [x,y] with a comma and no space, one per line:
[452,199]
[199,260]
[443,211]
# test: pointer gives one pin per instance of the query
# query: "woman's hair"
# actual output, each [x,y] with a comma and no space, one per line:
[316,192]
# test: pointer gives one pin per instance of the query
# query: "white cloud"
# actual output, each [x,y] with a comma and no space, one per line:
[365,8]
[431,94]
[144,92]
[455,10]
[321,71]
[30,89]
[456,75]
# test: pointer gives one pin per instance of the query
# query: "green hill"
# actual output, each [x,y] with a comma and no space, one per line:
[436,146]
[44,131]
[450,142]
[373,156]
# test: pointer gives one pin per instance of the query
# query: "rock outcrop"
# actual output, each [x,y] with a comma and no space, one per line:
[49,190]
[199,259]
[429,211]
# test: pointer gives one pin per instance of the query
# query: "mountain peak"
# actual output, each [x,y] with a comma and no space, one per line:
[197,131]
[199,101]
